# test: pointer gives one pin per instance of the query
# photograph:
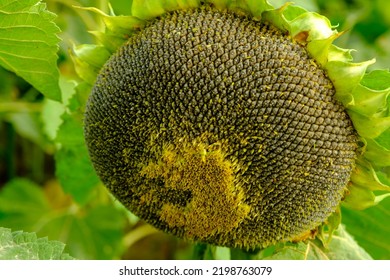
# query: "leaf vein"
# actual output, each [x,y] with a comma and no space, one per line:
[22,56]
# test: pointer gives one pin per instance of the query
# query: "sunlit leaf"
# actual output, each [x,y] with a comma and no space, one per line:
[20,245]
[75,172]
[344,247]
[29,44]
[73,166]
[341,247]
[53,110]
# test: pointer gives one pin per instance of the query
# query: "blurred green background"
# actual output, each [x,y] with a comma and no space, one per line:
[47,185]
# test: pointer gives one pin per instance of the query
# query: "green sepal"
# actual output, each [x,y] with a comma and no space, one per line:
[253,7]
[326,230]
[364,181]
[345,77]
[377,153]
[118,29]
[256,7]
[301,25]
[110,41]
[365,176]
[370,113]
[369,127]
[305,23]
[282,16]
[147,10]
[119,25]
[359,197]
[88,60]
[321,48]
[150,9]
[371,103]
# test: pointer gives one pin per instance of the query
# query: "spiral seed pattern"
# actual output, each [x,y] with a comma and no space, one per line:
[233,104]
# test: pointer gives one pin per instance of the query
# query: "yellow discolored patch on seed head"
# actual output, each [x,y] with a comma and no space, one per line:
[217,204]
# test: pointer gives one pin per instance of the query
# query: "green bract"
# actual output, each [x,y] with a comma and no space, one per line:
[364,96]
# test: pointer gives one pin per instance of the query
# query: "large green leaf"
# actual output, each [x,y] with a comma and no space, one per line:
[341,247]
[29,44]
[20,245]
[75,172]
[371,228]
[93,231]
[22,202]
[73,166]
[52,110]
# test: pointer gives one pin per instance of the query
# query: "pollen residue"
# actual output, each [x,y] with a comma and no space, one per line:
[217,204]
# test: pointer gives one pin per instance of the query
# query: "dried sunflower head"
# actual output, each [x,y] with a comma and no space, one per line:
[231,122]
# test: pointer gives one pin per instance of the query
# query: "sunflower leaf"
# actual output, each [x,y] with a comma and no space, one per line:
[90,232]
[370,228]
[20,245]
[29,44]
[341,247]
[73,166]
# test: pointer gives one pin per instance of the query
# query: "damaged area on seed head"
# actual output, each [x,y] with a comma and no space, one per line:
[217,203]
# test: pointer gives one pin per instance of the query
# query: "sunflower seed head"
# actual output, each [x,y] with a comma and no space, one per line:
[218,128]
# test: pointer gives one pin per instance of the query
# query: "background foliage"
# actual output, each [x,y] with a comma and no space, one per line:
[47,184]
